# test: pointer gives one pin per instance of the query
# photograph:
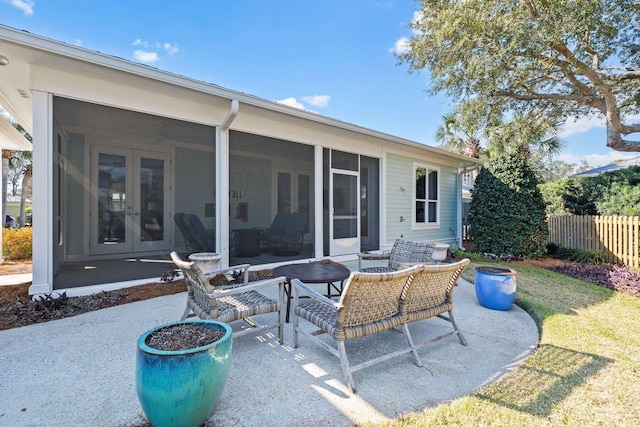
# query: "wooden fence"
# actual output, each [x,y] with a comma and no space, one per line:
[616,235]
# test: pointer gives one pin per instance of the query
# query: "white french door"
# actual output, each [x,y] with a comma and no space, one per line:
[344,208]
[130,201]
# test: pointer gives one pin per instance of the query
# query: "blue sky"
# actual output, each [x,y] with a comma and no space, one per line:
[334,57]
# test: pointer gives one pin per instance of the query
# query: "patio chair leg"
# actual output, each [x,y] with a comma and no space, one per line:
[186,313]
[295,330]
[344,361]
[281,314]
[463,341]
[414,351]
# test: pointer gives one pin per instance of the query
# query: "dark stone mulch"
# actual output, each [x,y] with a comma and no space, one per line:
[183,337]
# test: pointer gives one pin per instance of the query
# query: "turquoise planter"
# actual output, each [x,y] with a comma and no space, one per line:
[495,287]
[182,388]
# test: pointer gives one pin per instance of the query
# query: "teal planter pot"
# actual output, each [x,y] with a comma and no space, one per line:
[181,388]
[495,287]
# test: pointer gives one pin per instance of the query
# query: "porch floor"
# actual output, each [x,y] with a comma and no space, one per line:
[99,272]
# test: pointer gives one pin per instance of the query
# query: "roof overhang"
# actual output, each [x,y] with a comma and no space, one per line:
[25,50]
[11,139]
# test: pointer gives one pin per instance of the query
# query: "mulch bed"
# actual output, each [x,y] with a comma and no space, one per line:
[18,309]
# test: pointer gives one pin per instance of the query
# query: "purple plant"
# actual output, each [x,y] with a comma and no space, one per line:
[614,277]
[169,276]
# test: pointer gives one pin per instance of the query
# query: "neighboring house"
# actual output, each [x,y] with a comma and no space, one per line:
[618,165]
[119,148]
[13,206]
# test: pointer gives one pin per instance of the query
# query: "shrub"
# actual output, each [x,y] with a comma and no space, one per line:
[17,244]
[459,254]
[582,256]
[507,213]
[552,248]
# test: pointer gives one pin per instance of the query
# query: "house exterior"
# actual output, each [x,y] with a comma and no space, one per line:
[13,205]
[119,148]
[618,165]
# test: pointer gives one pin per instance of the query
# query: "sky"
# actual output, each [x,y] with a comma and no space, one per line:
[333,57]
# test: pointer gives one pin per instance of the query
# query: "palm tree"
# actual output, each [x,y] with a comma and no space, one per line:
[533,137]
[459,135]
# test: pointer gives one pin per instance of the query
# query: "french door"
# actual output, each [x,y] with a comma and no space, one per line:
[345,209]
[130,201]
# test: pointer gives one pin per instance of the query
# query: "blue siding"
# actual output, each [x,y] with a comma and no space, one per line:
[399,201]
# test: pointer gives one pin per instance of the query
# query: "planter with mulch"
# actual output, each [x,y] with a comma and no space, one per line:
[495,287]
[181,370]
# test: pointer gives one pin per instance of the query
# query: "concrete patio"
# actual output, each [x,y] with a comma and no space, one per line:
[80,370]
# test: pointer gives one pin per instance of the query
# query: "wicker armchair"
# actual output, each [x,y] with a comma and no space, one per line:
[369,304]
[229,303]
[404,253]
[430,294]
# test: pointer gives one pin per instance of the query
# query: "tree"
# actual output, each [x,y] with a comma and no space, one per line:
[557,58]
[21,163]
[507,213]
[463,130]
[612,193]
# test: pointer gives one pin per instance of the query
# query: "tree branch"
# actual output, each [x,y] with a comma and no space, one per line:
[616,142]
[532,96]
[629,75]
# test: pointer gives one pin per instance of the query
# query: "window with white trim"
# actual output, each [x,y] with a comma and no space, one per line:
[426,191]
[466,179]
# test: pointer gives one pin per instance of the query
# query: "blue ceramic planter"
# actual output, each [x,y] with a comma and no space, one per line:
[495,287]
[182,388]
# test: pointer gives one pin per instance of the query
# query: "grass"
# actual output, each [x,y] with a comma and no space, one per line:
[586,371]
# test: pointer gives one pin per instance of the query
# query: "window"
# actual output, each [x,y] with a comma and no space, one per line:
[426,196]
[466,179]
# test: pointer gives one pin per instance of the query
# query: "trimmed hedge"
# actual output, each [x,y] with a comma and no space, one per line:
[17,244]
[507,213]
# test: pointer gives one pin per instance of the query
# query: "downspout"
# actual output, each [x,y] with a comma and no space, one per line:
[222,183]
[461,171]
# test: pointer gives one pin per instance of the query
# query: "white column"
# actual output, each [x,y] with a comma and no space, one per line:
[43,162]
[318,237]
[222,194]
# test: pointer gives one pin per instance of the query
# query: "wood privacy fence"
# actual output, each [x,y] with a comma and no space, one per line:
[616,235]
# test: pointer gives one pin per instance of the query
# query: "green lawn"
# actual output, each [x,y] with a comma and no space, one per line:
[586,371]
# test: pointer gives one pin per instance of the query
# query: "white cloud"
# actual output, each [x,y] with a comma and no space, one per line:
[150,52]
[583,124]
[24,5]
[291,102]
[78,42]
[171,48]
[595,160]
[401,46]
[317,100]
[145,56]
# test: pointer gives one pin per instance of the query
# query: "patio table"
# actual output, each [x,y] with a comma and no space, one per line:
[312,272]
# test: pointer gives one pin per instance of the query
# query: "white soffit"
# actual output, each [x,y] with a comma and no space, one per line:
[11,139]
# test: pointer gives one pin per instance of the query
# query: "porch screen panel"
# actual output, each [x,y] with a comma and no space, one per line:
[151,199]
[112,198]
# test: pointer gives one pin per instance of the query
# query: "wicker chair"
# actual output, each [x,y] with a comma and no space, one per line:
[404,253]
[229,303]
[430,294]
[369,304]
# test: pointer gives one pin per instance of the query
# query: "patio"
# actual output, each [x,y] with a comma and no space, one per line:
[53,375]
